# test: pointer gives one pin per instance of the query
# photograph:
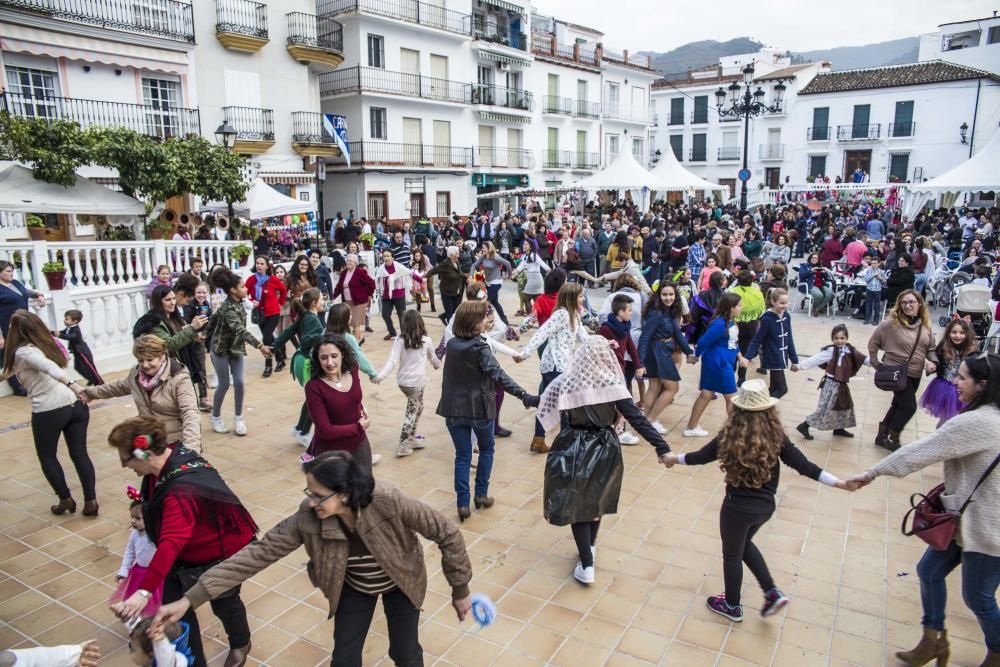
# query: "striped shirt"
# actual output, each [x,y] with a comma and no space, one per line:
[364,574]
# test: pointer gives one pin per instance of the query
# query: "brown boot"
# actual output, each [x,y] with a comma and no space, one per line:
[883,433]
[933,644]
[992,660]
[538,445]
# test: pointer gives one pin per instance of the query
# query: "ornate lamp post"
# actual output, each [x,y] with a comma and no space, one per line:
[746,106]
[225,134]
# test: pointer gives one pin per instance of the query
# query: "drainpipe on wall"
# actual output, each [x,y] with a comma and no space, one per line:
[975,113]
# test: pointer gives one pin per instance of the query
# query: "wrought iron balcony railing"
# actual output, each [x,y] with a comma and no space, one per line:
[251,123]
[859,132]
[512,98]
[504,158]
[675,118]
[156,120]
[582,160]
[697,155]
[496,34]
[386,154]
[307,128]
[411,11]
[552,159]
[377,80]
[699,117]
[902,129]
[585,109]
[771,151]
[241,17]
[729,153]
[818,134]
[171,19]
[557,105]
[321,32]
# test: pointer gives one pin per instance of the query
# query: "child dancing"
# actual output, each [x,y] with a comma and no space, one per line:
[940,399]
[83,358]
[139,554]
[774,342]
[835,411]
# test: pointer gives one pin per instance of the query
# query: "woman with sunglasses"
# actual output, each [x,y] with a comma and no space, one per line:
[361,538]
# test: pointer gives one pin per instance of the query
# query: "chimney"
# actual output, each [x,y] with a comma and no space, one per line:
[625,55]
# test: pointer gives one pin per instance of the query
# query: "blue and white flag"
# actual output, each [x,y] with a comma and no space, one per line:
[337,127]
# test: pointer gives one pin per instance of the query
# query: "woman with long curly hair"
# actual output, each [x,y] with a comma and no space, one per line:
[750,448]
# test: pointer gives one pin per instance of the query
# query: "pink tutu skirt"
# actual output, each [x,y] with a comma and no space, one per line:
[130,584]
[940,399]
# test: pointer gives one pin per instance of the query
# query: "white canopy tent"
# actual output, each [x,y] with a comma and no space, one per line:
[21,192]
[670,171]
[980,173]
[262,201]
[624,173]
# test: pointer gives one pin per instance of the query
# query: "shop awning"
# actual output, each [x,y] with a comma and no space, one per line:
[503,58]
[287,177]
[503,117]
[505,5]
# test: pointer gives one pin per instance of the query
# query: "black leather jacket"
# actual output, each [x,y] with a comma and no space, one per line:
[469,380]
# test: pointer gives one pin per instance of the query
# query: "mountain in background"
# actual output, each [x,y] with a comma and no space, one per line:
[675,63]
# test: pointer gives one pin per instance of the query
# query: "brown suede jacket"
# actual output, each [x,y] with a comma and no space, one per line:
[388,527]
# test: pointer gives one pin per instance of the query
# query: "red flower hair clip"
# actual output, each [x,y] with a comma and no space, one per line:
[133,493]
[140,446]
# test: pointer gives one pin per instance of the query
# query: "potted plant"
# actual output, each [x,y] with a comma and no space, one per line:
[55,274]
[36,227]
[158,229]
[241,253]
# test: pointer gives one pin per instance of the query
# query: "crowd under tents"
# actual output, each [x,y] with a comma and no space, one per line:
[262,201]
[980,173]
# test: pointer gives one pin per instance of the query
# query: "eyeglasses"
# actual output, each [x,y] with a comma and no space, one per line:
[909,303]
[315,496]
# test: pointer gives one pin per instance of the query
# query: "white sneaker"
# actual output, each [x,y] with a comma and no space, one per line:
[696,432]
[239,425]
[376,458]
[416,442]
[585,575]
[213,382]
[218,425]
[627,438]
[403,450]
[660,428]
[303,439]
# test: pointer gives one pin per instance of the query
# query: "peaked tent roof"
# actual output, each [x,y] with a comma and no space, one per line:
[980,173]
[21,192]
[263,201]
[624,173]
[669,171]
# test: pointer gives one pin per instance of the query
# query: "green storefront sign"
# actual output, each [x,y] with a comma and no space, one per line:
[484,180]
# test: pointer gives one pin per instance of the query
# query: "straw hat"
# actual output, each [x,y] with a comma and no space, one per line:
[753,396]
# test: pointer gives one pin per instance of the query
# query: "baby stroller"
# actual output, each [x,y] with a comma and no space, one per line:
[940,287]
[973,303]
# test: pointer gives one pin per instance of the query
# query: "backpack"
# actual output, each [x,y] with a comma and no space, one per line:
[465,260]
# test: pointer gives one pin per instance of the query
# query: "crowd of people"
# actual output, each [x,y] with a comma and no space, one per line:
[688,284]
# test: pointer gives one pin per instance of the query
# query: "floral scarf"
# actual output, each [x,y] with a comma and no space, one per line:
[593,377]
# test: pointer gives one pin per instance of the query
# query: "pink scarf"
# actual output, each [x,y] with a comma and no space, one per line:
[150,382]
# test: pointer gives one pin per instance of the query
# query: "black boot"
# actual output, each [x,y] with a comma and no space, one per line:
[893,440]
[267,368]
[843,433]
[883,433]
[803,428]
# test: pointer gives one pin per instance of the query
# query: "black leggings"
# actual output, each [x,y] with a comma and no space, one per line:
[305,420]
[71,421]
[267,337]
[747,330]
[388,305]
[450,303]
[229,610]
[779,386]
[903,406]
[737,529]
[585,536]
[354,618]
[493,295]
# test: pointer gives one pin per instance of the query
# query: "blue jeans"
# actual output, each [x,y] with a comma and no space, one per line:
[920,283]
[980,579]
[461,430]
[873,306]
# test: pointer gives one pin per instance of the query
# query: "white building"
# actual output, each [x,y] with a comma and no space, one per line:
[974,43]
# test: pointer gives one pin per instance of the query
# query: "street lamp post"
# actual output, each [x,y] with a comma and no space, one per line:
[746,106]
[225,134]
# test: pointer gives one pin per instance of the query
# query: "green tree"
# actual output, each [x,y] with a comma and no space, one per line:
[54,148]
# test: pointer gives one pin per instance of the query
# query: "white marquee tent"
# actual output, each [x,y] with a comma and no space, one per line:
[980,173]
[21,192]
[624,173]
[670,171]
[262,201]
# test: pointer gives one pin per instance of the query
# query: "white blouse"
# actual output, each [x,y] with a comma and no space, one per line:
[561,341]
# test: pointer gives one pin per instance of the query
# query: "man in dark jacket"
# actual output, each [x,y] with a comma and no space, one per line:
[323,279]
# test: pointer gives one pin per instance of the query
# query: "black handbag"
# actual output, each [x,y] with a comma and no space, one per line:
[892,377]
[257,316]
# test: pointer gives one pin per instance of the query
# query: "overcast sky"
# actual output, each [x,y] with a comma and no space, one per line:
[797,25]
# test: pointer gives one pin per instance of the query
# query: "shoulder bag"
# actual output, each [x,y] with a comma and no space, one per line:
[892,377]
[932,522]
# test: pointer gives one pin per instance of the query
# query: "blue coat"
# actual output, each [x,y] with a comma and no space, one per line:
[718,359]
[656,355]
[11,300]
[774,342]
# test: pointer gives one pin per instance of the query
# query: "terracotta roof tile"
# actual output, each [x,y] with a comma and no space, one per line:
[916,74]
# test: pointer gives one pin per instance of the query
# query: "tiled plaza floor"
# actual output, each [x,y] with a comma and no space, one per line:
[840,557]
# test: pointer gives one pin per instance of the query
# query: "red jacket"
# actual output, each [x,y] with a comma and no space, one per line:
[543,307]
[625,344]
[272,297]
[362,285]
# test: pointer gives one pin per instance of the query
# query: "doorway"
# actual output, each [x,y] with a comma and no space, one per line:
[772,176]
[856,160]
[417,209]
[378,205]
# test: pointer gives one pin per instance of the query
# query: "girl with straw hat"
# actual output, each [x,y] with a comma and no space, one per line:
[751,448]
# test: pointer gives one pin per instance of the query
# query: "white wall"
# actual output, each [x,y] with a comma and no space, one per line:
[983,56]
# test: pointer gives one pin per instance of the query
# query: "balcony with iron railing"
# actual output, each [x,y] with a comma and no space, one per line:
[310,135]
[818,133]
[699,117]
[729,119]
[675,118]
[502,158]
[241,25]
[491,33]
[583,161]
[383,154]
[552,159]
[585,109]
[384,82]
[897,130]
[254,128]
[859,132]
[316,41]
[547,47]
[158,120]
[627,114]
[410,11]
[171,19]
[510,98]
[697,155]
[771,151]
[729,154]
[560,106]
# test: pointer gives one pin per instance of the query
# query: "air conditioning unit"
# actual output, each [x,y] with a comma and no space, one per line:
[503,67]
